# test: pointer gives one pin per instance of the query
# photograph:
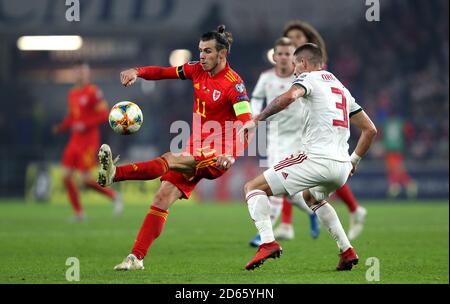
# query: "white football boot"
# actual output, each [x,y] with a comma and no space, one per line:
[284,232]
[131,262]
[107,168]
[357,220]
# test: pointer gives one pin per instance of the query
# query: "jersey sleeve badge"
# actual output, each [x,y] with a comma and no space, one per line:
[240,87]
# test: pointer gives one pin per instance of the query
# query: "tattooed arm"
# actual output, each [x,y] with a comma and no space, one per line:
[247,132]
[281,102]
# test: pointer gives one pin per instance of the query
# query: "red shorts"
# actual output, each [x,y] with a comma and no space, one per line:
[395,168]
[205,168]
[81,157]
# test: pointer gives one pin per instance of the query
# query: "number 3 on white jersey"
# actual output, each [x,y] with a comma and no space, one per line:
[341,106]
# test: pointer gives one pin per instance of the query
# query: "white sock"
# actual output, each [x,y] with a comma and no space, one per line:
[276,204]
[328,217]
[298,200]
[259,209]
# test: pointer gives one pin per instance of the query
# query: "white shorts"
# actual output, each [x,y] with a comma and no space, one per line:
[298,172]
[274,156]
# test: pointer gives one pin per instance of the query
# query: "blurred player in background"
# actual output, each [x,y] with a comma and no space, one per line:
[87,111]
[324,165]
[284,128]
[301,32]
[394,129]
[219,97]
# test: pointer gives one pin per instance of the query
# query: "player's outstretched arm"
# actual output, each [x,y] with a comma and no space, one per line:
[128,77]
[277,105]
[368,133]
[281,102]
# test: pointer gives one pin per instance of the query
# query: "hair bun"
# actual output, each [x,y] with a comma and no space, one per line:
[221,29]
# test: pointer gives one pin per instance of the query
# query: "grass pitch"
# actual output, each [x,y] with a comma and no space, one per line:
[208,243]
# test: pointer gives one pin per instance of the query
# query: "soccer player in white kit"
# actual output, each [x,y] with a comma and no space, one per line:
[284,128]
[325,163]
[301,32]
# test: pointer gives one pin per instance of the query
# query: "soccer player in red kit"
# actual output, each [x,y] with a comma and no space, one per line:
[220,97]
[301,32]
[87,110]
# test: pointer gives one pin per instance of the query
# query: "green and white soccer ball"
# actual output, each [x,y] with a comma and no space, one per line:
[125,118]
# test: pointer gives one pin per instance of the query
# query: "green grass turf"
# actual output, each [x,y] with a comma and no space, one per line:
[207,243]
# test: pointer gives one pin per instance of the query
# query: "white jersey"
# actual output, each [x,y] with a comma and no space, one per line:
[329,108]
[284,138]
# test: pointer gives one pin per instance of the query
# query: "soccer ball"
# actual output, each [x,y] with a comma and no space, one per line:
[125,118]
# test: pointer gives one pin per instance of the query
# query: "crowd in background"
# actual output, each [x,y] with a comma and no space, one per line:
[397,67]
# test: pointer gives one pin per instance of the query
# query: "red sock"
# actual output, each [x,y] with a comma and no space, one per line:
[346,195]
[72,191]
[150,230]
[95,186]
[142,171]
[286,212]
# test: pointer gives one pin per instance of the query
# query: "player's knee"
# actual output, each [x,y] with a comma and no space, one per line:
[67,173]
[164,197]
[161,200]
[178,162]
[309,199]
[250,186]
[172,160]
[169,157]
[67,176]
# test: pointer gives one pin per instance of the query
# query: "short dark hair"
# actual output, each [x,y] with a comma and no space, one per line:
[223,39]
[311,34]
[283,41]
[314,52]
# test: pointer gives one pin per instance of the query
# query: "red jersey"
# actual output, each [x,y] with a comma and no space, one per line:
[86,106]
[219,101]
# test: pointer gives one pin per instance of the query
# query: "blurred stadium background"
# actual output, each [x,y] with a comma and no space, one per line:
[398,67]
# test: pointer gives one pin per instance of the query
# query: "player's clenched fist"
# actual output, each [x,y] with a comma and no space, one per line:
[128,77]
[224,161]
